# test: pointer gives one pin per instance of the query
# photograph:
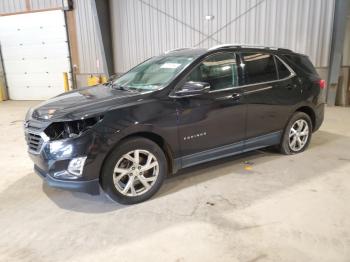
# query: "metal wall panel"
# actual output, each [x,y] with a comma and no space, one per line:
[44,4]
[89,48]
[346,52]
[12,6]
[144,28]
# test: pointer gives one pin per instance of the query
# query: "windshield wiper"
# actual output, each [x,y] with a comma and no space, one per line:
[120,87]
[125,88]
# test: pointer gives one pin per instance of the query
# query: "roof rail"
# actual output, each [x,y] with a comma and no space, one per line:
[285,49]
[176,49]
[223,46]
[248,46]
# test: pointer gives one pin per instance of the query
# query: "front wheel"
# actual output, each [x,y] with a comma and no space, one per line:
[297,134]
[134,171]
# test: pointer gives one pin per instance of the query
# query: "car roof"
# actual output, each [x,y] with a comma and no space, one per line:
[233,47]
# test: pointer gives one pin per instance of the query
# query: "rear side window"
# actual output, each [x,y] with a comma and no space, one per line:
[283,71]
[258,67]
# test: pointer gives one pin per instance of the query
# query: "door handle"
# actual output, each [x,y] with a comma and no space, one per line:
[291,87]
[235,96]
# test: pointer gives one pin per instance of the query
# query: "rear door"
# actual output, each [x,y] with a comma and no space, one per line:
[269,92]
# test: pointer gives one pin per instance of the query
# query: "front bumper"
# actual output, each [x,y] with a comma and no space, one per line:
[91,186]
[53,157]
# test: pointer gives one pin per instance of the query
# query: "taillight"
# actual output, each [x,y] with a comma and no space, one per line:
[322,83]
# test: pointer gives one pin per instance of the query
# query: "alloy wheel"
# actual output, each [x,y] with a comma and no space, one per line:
[298,135]
[135,172]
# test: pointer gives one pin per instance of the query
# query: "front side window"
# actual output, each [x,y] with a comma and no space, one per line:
[154,73]
[258,68]
[219,70]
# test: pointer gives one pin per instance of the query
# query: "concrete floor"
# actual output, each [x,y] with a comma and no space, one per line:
[273,208]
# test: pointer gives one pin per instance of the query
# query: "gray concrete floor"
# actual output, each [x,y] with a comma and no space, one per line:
[280,208]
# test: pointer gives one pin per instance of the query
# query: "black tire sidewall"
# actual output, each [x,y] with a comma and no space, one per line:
[121,149]
[285,148]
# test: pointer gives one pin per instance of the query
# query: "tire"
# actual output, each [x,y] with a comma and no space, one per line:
[298,119]
[125,176]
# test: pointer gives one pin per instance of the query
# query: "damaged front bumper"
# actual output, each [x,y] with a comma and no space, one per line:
[53,162]
[72,163]
[90,186]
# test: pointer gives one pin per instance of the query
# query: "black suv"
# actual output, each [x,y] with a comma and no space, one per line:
[176,110]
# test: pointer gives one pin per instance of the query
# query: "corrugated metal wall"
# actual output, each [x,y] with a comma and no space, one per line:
[143,28]
[40,4]
[346,52]
[89,49]
[11,6]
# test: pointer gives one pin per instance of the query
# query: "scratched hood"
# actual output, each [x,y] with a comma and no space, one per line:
[84,102]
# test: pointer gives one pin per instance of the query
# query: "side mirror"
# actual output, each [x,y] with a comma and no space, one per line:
[193,89]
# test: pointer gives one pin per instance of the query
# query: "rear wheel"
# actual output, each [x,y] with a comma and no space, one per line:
[297,134]
[134,171]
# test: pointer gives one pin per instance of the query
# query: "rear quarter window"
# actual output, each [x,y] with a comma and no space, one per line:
[283,71]
[300,63]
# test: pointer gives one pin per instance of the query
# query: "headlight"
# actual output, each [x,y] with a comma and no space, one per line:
[62,130]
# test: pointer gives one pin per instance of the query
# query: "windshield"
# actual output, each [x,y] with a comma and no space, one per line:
[154,73]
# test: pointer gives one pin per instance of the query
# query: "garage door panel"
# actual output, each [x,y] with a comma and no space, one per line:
[31,42]
[49,18]
[31,66]
[35,35]
[32,92]
[36,79]
[35,54]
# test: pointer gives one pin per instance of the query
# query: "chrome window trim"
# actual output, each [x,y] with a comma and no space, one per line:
[258,90]
[292,74]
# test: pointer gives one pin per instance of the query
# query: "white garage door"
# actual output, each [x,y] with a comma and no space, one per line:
[35,54]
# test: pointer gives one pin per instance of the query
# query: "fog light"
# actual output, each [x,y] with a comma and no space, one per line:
[64,175]
[76,166]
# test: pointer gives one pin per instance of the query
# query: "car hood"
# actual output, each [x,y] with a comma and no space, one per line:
[84,102]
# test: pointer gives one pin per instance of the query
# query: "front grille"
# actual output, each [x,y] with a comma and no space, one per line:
[34,142]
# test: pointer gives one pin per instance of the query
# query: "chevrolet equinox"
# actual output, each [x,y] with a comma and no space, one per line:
[179,109]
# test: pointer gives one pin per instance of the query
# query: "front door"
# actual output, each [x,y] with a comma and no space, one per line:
[213,124]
